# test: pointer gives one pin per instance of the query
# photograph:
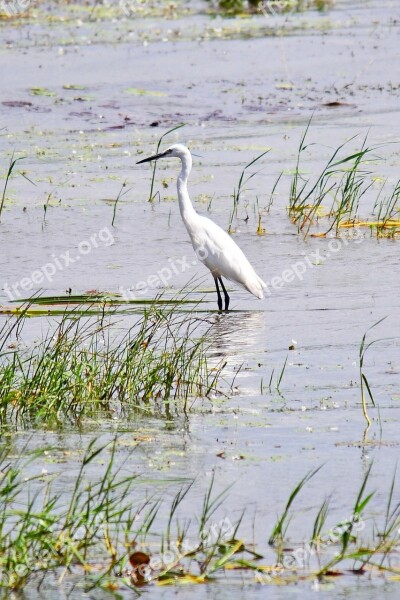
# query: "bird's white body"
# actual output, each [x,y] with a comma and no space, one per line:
[213,246]
[222,256]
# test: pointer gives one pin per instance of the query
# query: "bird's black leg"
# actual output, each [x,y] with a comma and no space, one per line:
[219,294]
[226,295]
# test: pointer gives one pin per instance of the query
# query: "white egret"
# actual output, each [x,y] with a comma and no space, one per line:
[213,246]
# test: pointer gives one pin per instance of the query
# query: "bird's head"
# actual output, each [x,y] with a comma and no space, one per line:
[176,150]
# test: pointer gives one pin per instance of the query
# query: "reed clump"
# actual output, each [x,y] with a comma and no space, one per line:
[103,531]
[85,367]
[332,200]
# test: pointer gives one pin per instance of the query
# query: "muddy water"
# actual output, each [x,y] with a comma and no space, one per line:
[241,86]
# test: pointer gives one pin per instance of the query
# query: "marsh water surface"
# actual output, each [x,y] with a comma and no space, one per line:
[86,95]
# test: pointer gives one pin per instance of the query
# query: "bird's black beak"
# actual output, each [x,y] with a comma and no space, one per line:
[155,157]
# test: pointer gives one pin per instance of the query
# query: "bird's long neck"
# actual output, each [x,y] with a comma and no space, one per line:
[188,213]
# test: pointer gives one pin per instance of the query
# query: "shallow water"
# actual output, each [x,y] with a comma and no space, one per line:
[238,95]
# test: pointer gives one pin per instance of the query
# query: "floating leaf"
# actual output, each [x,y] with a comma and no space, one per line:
[39,91]
[182,579]
[140,92]
[92,297]
[383,224]
[284,86]
[71,86]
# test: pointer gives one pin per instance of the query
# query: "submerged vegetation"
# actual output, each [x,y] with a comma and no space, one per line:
[343,183]
[11,167]
[96,519]
[271,7]
[99,532]
[241,187]
[102,537]
[262,19]
[102,9]
[347,195]
[82,367]
[341,548]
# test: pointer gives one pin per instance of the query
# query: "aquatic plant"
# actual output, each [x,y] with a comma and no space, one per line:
[98,531]
[271,7]
[344,181]
[42,530]
[340,549]
[240,187]
[345,530]
[83,367]
[364,385]
[11,167]
[388,213]
[106,534]
[280,529]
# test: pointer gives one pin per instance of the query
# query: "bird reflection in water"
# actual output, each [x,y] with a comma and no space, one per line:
[236,333]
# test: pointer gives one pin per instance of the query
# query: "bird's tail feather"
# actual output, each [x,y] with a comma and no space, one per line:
[256,286]
[263,284]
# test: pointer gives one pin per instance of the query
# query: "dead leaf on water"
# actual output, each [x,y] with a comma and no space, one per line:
[16,103]
[336,104]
